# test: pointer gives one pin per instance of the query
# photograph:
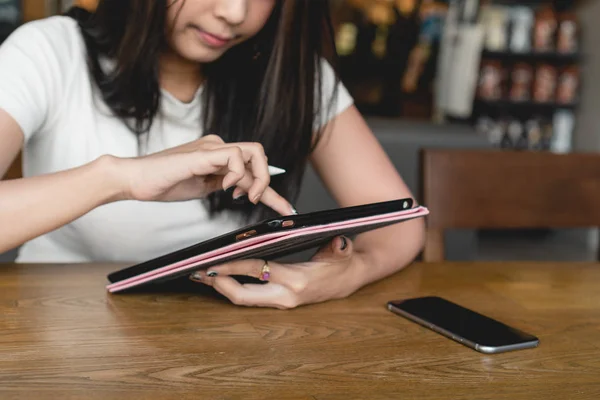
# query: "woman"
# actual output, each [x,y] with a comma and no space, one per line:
[128,117]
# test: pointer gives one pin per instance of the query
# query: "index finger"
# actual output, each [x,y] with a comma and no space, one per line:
[249,294]
[274,200]
[270,197]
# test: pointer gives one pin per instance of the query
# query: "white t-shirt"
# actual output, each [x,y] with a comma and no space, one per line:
[45,86]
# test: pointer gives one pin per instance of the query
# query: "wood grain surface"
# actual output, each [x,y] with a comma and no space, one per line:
[62,336]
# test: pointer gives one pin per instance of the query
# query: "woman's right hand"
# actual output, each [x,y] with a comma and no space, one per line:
[196,169]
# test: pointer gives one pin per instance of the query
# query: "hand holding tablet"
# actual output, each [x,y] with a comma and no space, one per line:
[267,240]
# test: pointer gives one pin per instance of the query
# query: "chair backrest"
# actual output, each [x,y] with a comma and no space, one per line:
[507,189]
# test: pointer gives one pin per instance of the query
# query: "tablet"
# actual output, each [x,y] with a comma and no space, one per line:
[267,240]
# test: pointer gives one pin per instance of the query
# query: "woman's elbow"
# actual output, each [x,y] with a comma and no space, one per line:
[417,236]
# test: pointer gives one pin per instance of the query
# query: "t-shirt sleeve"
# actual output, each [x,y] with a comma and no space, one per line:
[31,74]
[335,97]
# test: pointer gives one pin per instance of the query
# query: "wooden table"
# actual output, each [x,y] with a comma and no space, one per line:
[63,337]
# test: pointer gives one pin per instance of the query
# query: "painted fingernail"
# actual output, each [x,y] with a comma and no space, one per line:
[344,243]
[196,276]
[294,212]
[212,274]
[237,192]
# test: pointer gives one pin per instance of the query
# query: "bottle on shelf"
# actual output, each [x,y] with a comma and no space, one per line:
[520,34]
[545,30]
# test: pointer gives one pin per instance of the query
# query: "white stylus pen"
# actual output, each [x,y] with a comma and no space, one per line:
[275,171]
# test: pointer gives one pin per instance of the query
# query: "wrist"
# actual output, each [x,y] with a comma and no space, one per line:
[357,271]
[109,177]
[366,267]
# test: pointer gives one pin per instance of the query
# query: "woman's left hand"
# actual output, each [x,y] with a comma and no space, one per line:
[327,276]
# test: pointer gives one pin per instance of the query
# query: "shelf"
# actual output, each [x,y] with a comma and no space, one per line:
[524,105]
[532,57]
[523,109]
[557,4]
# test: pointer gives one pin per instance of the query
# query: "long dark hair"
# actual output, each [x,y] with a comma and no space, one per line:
[267,89]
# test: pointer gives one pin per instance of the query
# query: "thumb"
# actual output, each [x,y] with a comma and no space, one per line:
[339,247]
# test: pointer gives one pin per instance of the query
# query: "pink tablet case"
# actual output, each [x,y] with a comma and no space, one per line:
[253,245]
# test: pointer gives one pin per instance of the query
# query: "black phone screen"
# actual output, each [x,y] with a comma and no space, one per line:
[462,322]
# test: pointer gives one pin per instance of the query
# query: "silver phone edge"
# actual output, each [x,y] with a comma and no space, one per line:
[461,340]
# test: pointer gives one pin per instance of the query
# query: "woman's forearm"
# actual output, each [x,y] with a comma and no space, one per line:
[385,251]
[30,207]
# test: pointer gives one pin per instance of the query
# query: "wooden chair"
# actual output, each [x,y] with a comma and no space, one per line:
[476,189]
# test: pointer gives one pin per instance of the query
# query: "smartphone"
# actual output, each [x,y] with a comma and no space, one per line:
[465,326]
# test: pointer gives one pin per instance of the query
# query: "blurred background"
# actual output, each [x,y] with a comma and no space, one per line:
[516,76]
